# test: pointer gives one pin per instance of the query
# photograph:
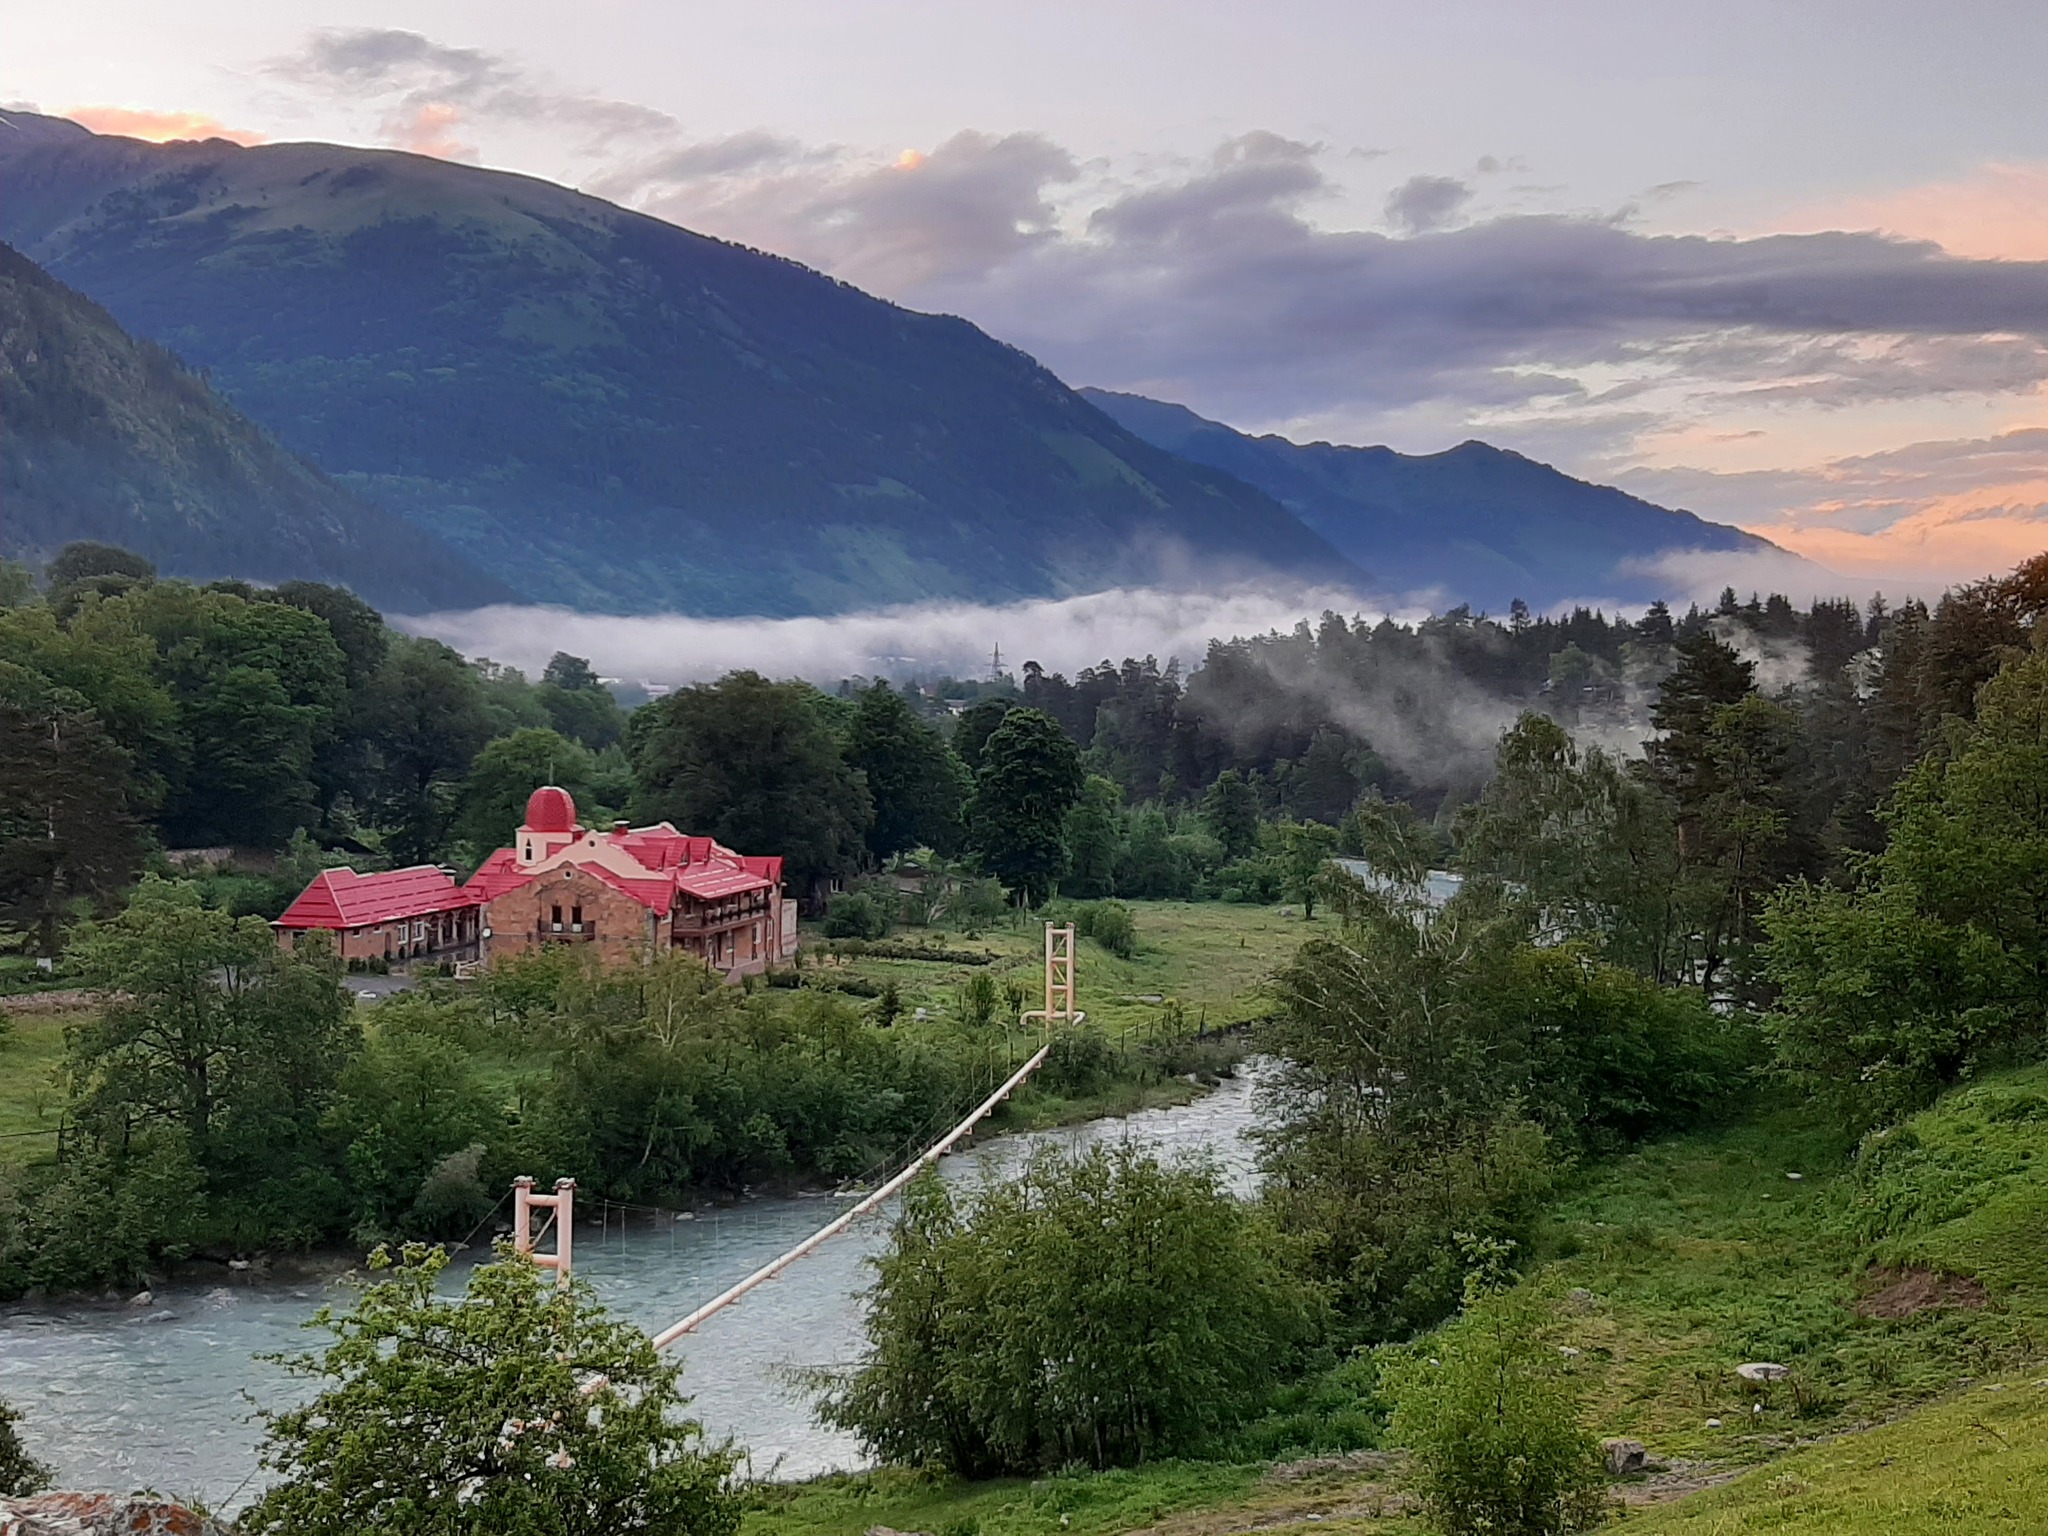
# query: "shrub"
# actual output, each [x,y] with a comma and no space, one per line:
[1492,1414]
[979,997]
[977,904]
[20,1473]
[856,915]
[520,1409]
[1103,1309]
[1110,924]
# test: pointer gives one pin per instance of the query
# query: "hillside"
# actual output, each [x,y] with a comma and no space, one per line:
[112,439]
[608,411]
[1474,524]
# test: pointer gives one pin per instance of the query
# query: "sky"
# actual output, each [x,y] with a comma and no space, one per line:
[1783,264]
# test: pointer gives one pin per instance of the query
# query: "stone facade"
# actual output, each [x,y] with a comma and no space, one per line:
[569,905]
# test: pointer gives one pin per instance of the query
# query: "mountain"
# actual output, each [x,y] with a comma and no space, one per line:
[607,411]
[113,439]
[1474,524]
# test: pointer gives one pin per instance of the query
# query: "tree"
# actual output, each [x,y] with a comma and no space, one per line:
[507,772]
[1231,808]
[1938,959]
[1493,1416]
[1095,838]
[919,787]
[1593,848]
[206,1025]
[1106,1308]
[578,704]
[66,836]
[423,718]
[20,1473]
[1030,778]
[976,723]
[521,1410]
[1305,848]
[756,765]
[1396,1113]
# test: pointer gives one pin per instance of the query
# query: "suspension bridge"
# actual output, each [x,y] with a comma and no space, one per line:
[558,1209]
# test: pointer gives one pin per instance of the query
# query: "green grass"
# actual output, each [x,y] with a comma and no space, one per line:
[1976,1463]
[1078,1504]
[1212,958]
[31,1100]
[1700,1253]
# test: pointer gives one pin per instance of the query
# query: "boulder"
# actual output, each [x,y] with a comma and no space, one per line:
[1763,1370]
[1624,1457]
[102,1514]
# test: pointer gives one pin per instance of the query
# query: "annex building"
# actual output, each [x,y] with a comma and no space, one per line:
[629,892]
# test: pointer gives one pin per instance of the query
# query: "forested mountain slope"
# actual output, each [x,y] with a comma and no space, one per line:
[112,439]
[608,411]
[1474,524]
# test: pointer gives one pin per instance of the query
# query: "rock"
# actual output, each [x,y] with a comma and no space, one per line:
[885,1530]
[1623,1456]
[1795,1177]
[1763,1370]
[1713,1423]
[102,1514]
[238,1264]
[142,1299]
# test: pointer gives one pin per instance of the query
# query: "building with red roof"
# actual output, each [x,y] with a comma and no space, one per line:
[629,892]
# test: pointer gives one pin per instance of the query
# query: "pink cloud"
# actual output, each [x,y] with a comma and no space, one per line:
[429,129]
[158,127]
[1997,212]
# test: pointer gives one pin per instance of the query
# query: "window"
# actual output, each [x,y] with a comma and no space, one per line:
[576,918]
[557,919]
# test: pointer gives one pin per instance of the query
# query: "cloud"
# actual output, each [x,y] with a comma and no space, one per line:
[1064,634]
[430,91]
[969,205]
[1997,212]
[158,127]
[1916,518]
[1423,203]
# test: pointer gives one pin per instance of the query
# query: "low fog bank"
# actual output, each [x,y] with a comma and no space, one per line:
[1064,634]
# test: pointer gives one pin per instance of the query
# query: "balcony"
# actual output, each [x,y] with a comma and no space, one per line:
[545,932]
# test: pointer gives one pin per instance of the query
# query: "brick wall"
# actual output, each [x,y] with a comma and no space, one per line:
[523,919]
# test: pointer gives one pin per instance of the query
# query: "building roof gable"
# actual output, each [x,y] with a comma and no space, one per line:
[341,898]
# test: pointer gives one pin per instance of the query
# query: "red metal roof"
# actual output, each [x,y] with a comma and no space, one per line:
[709,882]
[341,898]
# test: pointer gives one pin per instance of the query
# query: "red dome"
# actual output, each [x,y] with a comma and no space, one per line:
[549,809]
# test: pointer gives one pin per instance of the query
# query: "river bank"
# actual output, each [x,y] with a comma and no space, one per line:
[164,1396]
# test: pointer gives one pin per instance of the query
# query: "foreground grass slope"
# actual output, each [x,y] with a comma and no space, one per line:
[1974,1465]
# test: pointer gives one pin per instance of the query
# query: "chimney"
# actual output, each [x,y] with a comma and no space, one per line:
[620,826]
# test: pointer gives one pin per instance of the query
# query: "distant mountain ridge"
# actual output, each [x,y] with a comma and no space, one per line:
[103,437]
[606,411]
[1475,524]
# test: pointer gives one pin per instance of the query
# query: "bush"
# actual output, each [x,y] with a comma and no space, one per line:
[520,1409]
[977,904]
[1102,1309]
[1492,1415]
[979,997]
[856,915]
[1108,923]
[20,1473]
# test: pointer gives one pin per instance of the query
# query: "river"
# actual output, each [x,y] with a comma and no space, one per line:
[163,1397]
